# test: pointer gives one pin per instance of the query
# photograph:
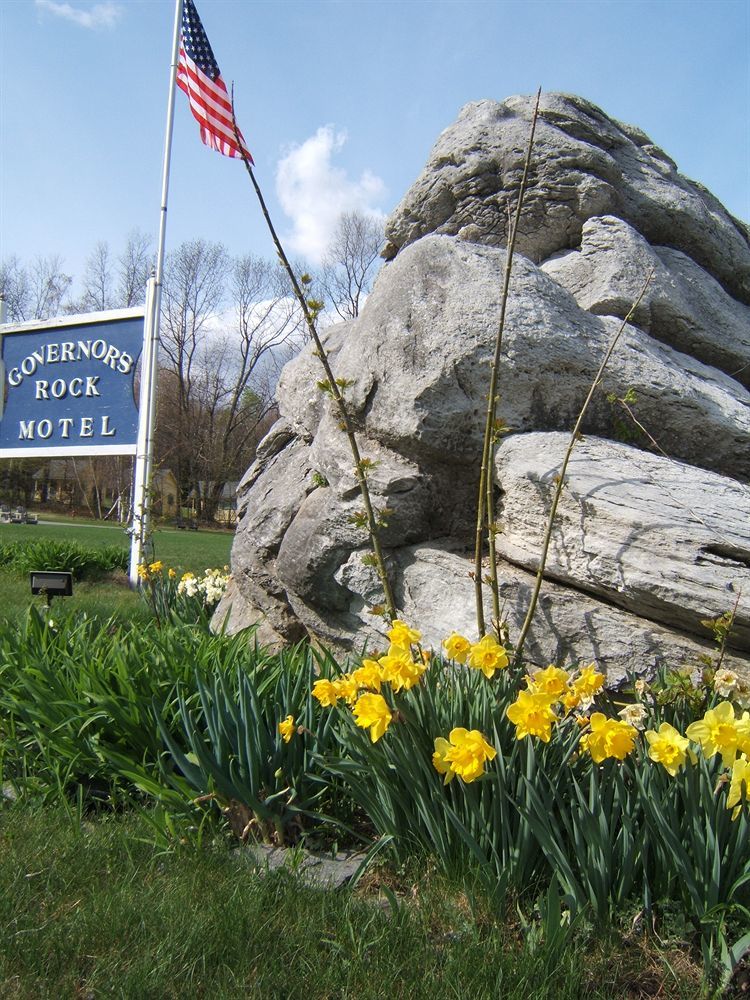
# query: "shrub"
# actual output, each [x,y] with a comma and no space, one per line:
[72,557]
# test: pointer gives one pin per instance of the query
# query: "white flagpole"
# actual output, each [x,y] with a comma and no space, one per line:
[149,357]
[146,408]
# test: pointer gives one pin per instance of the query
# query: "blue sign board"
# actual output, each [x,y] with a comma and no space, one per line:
[69,385]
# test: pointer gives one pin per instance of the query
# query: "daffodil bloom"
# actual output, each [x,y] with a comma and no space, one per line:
[439,761]
[570,700]
[464,754]
[720,732]
[286,728]
[372,712]
[531,713]
[401,635]
[401,671]
[156,567]
[325,691]
[588,683]
[739,787]
[347,688]
[608,738]
[457,647]
[634,715]
[667,747]
[725,682]
[172,574]
[488,656]
[369,675]
[552,680]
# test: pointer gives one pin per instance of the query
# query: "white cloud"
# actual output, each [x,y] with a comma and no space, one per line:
[101,15]
[313,192]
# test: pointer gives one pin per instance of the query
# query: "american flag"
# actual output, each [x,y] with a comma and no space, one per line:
[199,76]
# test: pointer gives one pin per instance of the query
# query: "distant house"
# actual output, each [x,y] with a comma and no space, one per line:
[201,499]
[101,486]
[165,493]
[56,481]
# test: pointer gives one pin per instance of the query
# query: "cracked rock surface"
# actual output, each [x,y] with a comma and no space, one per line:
[653,531]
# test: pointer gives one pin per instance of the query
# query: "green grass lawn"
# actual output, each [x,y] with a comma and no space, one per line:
[184,550]
[93,909]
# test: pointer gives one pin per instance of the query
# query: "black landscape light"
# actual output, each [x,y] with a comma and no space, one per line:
[51,584]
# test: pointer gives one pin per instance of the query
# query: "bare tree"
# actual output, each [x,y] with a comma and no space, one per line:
[98,293]
[351,262]
[193,295]
[35,292]
[236,392]
[133,268]
[15,289]
[224,323]
[48,285]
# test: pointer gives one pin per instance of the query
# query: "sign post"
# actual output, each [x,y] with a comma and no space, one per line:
[144,453]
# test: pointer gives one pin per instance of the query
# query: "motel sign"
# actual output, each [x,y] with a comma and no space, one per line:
[68,385]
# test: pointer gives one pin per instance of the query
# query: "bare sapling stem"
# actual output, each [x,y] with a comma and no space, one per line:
[726,631]
[485,498]
[332,386]
[560,477]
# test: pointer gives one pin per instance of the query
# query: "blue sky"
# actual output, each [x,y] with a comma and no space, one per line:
[340,102]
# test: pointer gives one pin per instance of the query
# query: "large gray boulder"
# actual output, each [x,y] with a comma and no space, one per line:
[585,165]
[653,529]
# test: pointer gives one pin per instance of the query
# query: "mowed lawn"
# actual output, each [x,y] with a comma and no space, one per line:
[184,550]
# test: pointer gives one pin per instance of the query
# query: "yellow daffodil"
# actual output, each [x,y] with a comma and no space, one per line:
[739,786]
[171,574]
[287,728]
[347,688]
[588,683]
[368,675]
[531,713]
[372,712]
[325,691]
[667,747]
[400,670]
[719,731]
[457,647]
[608,738]
[439,761]
[488,656]
[552,680]
[463,754]
[142,571]
[401,635]
[570,700]
[156,567]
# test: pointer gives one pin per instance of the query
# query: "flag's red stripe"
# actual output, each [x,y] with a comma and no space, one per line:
[197,95]
[209,106]
[214,99]
[215,88]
